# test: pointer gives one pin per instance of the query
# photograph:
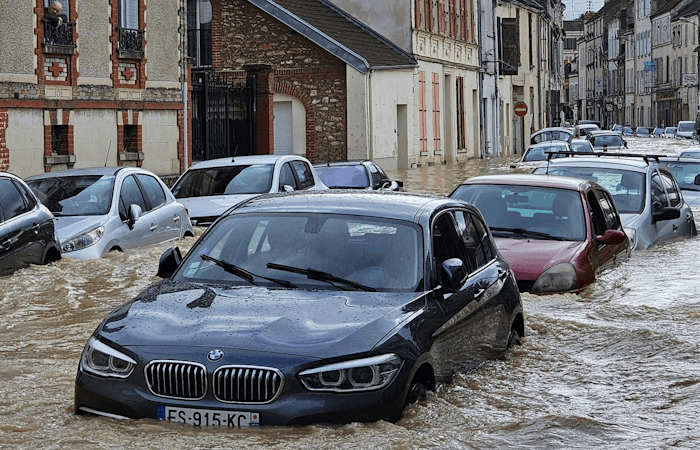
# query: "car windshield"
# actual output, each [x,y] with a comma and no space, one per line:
[539,153]
[378,254]
[228,180]
[642,130]
[87,195]
[582,146]
[628,130]
[558,213]
[686,126]
[626,186]
[685,173]
[551,135]
[607,140]
[354,177]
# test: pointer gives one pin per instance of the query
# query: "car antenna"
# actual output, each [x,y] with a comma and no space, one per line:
[108,148]
[235,150]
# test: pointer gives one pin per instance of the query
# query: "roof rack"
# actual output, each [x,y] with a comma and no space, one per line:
[646,157]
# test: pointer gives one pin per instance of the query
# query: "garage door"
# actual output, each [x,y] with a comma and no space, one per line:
[283,128]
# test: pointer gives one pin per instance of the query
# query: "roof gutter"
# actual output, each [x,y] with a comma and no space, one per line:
[313,34]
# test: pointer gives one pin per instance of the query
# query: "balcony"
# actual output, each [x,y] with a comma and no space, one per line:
[130,43]
[59,39]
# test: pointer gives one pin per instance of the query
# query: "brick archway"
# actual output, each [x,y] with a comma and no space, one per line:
[286,88]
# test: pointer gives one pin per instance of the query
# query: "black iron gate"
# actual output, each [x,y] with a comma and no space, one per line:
[223,118]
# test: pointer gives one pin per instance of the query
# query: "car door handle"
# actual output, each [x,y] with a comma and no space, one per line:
[6,244]
[479,294]
[675,227]
[154,227]
[176,218]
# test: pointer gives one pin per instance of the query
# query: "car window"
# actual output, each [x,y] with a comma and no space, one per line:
[130,195]
[674,196]
[287,177]
[444,238]
[227,180]
[354,176]
[83,195]
[12,201]
[303,172]
[659,199]
[612,218]
[684,173]
[376,176]
[476,240]
[597,215]
[152,190]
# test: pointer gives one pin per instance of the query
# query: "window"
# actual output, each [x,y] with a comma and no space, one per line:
[303,172]
[444,235]
[674,196]
[461,115]
[59,139]
[130,36]
[58,31]
[153,191]
[510,46]
[476,240]
[12,202]
[199,32]
[658,194]
[287,178]
[130,195]
[130,138]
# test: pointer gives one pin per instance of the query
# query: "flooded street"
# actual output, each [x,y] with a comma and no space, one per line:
[616,366]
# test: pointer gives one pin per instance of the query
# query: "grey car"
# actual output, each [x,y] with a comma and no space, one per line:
[110,208]
[646,194]
[27,232]
[687,173]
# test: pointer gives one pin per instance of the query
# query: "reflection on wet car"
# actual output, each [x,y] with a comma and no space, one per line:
[328,306]
[356,175]
[543,227]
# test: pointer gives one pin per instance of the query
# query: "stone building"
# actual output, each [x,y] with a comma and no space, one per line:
[102,86]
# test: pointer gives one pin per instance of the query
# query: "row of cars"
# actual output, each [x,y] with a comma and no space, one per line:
[555,142]
[685,129]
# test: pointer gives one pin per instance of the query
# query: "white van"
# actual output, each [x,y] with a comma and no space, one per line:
[685,129]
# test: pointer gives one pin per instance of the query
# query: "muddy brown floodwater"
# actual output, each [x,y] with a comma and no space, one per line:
[615,367]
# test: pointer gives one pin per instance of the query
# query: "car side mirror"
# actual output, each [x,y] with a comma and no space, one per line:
[134,214]
[696,181]
[453,274]
[612,237]
[169,261]
[287,188]
[666,213]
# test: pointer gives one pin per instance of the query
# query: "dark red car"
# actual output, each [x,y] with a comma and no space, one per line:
[556,232]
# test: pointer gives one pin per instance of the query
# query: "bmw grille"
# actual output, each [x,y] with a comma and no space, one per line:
[175,379]
[247,384]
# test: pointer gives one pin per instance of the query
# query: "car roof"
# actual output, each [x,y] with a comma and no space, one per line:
[242,160]
[392,205]
[549,144]
[10,175]
[604,132]
[528,179]
[610,161]
[359,162]
[101,171]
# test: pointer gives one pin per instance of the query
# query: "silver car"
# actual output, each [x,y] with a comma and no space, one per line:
[646,194]
[110,208]
[209,188]
[687,173]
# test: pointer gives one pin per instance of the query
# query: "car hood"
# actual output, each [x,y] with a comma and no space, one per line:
[297,322]
[528,258]
[68,227]
[212,206]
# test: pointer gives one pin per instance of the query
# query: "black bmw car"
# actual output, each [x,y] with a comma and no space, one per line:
[331,306]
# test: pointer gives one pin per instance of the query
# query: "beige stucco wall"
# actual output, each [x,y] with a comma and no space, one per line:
[94,134]
[94,42]
[160,136]
[388,89]
[17,40]
[25,140]
[162,43]
[358,144]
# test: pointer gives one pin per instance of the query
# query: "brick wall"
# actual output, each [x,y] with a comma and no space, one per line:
[247,35]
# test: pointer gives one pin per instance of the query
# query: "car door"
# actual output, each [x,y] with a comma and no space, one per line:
[685,224]
[167,216]
[461,340]
[664,194]
[286,178]
[303,174]
[20,231]
[604,216]
[142,232]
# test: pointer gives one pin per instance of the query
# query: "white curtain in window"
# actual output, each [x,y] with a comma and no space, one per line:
[129,14]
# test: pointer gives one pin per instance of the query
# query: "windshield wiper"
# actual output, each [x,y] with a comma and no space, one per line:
[524,232]
[244,274]
[320,276]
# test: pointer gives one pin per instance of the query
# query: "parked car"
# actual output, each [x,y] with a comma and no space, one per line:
[27,232]
[687,174]
[581,146]
[646,195]
[327,306]
[627,131]
[538,152]
[209,188]
[604,141]
[551,134]
[356,175]
[657,132]
[669,132]
[110,208]
[693,153]
[582,129]
[685,129]
[642,132]
[543,227]
[617,128]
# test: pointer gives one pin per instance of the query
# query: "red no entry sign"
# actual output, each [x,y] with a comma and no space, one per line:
[520,108]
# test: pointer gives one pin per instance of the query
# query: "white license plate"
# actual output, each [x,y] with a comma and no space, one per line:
[208,417]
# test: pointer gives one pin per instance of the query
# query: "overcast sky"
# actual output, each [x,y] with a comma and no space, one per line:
[574,8]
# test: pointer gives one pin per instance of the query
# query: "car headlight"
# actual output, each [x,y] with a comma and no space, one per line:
[83,240]
[353,376]
[559,278]
[103,360]
[632,235]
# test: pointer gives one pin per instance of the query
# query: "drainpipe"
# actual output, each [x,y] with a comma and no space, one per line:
[183,59]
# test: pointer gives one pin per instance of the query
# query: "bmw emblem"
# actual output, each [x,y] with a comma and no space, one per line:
[215,355]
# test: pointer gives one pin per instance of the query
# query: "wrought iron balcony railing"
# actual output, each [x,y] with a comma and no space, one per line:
[130,43]
[59,39]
